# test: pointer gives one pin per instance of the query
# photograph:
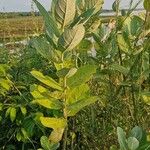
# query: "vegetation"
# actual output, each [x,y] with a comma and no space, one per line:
[81,84]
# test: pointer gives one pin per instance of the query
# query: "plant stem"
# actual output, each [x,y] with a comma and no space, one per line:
[65,115]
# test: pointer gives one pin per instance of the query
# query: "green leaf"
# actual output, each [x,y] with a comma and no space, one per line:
[133,143]
[46,80]
[23,110]
[119,68]
[65,12]
[85,45]
[49,21]
[136,132]
[45,143]
[43,47]
[146,97]
[13,114]
[82,75]
[53,123]
[71,37]
[48,103]
[123,45]
[6,84]
[77,93]
[147,5]
[56,135]
[122,139]
[77,106]
[66,72]
[91,4]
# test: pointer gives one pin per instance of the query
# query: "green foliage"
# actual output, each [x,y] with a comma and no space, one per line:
[135,141]
[46,87]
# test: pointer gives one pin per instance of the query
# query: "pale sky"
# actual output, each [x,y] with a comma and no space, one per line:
[25,5]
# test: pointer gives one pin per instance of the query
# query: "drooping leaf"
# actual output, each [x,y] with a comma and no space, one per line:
[64,12]
[74,108]
[49,21]
[82,75]
[71,37]
[47,145]
[46,80]
[53,123]
[133,143]
[122,139]
[56,135]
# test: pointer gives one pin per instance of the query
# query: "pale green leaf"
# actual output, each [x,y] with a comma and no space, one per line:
[136,132]
[77,106]
[82,75]
[46,80]
[48,103]
[122,139]
[133,143]
[56,135]
[71,37]
[53,123]
[77,93]
[64,12]
[123,45]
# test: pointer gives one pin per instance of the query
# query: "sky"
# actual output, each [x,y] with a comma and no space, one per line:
[25,5]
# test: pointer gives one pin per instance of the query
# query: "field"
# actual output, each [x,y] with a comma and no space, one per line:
[71,79]
[20,27]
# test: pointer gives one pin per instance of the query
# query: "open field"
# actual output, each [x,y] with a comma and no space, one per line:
[20,27]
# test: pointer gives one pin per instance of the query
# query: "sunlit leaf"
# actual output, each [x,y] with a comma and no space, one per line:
[74,108]
[71,37]
[64,12]
[46,80]
[53,123]
[82,75]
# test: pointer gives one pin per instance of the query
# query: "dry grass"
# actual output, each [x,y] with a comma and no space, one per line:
[20,27]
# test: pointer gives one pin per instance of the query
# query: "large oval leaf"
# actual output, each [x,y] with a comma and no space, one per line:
[64,12]
[46,80]
[48,103]
[77,106]
[54,123]
[82,75]
[71,37]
